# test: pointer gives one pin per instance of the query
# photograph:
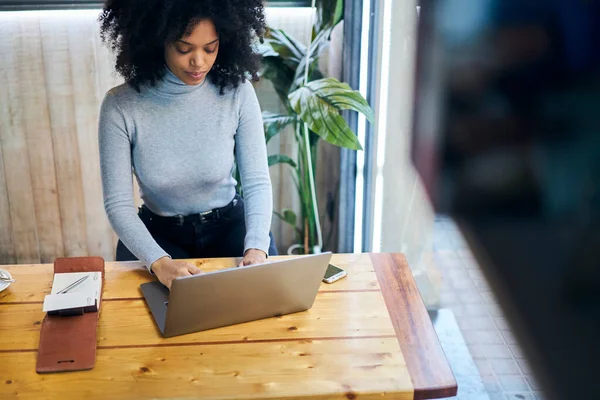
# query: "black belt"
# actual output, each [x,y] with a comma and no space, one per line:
[211,215]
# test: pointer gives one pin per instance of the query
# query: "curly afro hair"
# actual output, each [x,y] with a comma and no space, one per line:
[137,31]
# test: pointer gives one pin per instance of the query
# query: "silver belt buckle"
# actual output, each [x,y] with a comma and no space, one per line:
[204,214]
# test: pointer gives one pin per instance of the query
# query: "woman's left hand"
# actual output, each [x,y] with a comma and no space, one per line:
[253,256]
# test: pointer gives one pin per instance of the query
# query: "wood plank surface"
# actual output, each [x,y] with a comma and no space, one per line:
[126,320]
[36,122]
[425,359]
[122,280]
[130,323]
[318,369]
[355,342]
[13,145]
[60,89]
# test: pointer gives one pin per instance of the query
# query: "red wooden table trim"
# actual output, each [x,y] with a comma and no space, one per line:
[427,364]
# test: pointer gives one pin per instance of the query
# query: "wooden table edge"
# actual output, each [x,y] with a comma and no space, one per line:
[428,367]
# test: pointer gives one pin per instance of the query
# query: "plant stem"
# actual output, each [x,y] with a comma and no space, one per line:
[306,235]
[303,191]
[307,152]
[308,196]
[313,194]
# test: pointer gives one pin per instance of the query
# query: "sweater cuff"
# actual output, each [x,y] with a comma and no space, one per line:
[252,242]
[153,257]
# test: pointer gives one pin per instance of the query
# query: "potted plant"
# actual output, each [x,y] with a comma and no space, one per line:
[313,104]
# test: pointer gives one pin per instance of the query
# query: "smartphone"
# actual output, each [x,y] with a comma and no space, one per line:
[333,274]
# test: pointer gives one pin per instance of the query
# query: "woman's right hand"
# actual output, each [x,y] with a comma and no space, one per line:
[167,269]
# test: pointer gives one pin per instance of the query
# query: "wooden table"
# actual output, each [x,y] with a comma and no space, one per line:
[367,336]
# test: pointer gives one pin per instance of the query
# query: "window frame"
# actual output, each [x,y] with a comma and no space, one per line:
[31,5]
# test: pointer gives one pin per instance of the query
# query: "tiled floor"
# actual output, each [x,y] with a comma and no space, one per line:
[503,370]
[470,383]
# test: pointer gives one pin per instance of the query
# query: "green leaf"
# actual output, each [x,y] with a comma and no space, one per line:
[341,96]
[338,14]
[313,72]
[281,159]
[316,47]
[287,216]
[266,50]
[280,75]
[274,123]
[329,13]
[319,104]
[281,55]
[289,49]
[320,41]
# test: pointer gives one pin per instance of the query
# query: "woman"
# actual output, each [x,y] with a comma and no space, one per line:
[185,111]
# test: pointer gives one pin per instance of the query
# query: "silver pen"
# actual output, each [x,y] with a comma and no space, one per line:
[72,285]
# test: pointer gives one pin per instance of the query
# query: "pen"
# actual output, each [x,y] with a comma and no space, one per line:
[72,285]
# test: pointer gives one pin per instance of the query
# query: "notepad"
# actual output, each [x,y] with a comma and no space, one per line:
[74,293]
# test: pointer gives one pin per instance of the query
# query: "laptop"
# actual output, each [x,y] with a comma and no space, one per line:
[235,295]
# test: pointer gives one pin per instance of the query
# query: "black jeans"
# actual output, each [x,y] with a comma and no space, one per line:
[219,234]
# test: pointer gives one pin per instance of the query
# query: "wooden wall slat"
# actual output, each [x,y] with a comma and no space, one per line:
[83,66]
[14,150]
[61,90]
[36,122]
[7,248]
[105,74]
[106,78]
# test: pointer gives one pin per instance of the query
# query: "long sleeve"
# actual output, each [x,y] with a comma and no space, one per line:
[117,183]
[251,155]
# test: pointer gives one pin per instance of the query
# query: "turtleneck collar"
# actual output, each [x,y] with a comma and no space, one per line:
[171,85]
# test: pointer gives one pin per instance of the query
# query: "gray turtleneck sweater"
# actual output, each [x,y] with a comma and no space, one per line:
[179,142]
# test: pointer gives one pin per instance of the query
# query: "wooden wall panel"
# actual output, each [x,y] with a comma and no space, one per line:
[60,89]
[14,150]
[7,248]
[83,71]
[36,123]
